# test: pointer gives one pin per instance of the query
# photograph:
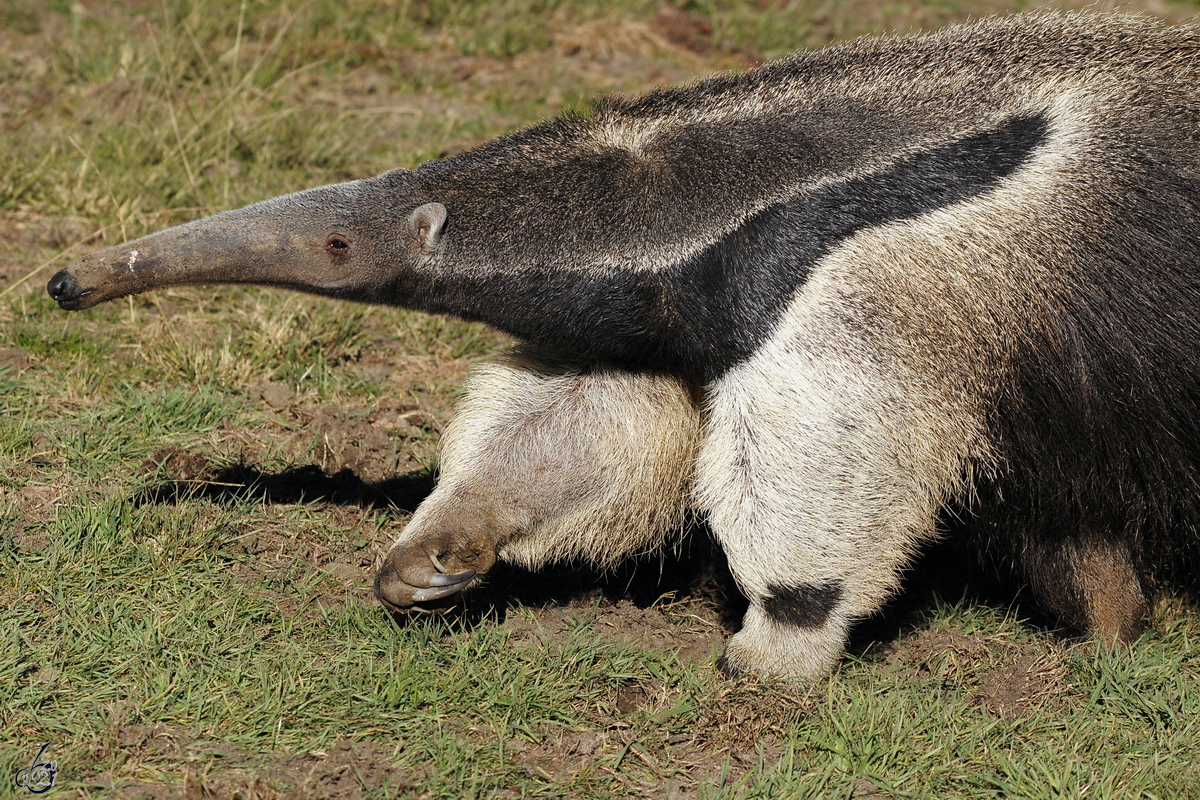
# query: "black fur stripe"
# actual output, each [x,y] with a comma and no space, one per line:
[701,317]
[805,606]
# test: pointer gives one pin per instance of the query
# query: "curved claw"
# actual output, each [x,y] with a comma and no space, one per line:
[438,592]
[451,579]
[417,576]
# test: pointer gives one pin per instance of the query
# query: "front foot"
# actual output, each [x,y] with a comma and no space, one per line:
[769,647]
[429,569]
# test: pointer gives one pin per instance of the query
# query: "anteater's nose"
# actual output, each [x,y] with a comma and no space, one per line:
[62,287]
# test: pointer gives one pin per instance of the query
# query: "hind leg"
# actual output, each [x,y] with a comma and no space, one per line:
[1091,584]
[546,460]
[820,479]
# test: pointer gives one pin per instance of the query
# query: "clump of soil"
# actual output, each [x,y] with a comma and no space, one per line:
[354,443]
[375,442]
[943,653]
[1010,679]
[275,395]
[179,464]
[643,745]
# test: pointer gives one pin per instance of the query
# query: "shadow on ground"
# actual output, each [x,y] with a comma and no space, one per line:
[694,570]
[309,484]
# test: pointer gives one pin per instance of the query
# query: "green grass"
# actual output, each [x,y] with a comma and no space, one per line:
[174,626]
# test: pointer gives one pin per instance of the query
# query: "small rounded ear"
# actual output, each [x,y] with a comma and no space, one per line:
[426,223]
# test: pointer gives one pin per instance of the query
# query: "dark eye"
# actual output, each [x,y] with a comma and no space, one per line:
[337,244]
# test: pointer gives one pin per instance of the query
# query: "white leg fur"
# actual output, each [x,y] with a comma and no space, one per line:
[548,460]
[821,472]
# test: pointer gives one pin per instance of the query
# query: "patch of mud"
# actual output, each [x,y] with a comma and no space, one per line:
[14,359]
[29,506]
[648,737]
[375,443]
[26,542]
[743,714]
[33,500]
[941,653]
[342,545]
[1033,681]
[369,456]
[683,29]
[345,441]
[561,753]
[25,227]
[347,771]
[1008,679]
[649,740]
[24,234]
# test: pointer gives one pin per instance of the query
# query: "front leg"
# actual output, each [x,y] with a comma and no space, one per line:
[548,460]
[820,476]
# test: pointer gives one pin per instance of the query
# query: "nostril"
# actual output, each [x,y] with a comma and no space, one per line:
[62,286]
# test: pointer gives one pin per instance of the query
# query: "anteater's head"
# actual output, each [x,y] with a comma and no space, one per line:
[350,240]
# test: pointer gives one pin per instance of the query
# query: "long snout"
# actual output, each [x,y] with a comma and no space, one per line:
[266,243]
[104,275]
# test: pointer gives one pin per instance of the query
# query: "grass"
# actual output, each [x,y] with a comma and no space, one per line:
[184,597]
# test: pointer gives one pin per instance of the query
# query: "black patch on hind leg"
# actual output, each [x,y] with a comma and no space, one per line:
[805,606]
